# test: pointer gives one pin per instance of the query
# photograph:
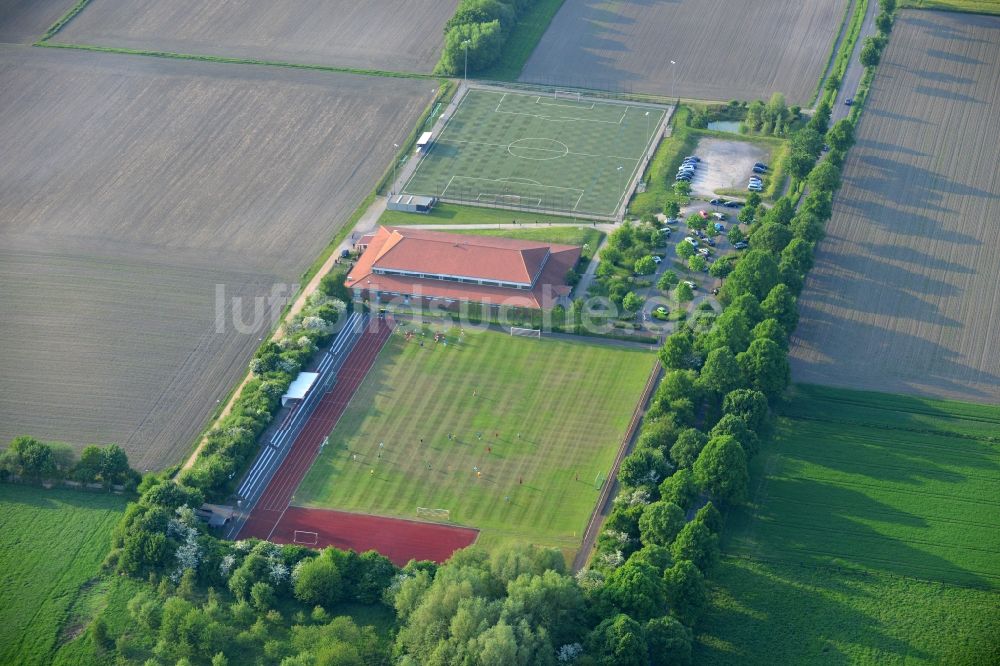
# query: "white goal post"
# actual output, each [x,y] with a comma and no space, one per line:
[525,332]
[567,94]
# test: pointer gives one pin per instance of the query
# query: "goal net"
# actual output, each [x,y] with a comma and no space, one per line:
[525,332]
[567,94]
[433,514]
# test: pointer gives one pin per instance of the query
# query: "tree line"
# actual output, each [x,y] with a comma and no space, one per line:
[479,29]
[29,459]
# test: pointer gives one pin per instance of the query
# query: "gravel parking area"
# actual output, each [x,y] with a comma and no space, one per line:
[725,165]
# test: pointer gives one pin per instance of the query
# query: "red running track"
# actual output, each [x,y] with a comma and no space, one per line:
[399,540]
[275,499]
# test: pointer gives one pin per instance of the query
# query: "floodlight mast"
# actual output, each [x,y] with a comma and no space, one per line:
[673,77]
[395,158]
[466,43]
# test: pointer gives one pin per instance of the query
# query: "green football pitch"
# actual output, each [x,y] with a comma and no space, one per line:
[507,433]
[536,151]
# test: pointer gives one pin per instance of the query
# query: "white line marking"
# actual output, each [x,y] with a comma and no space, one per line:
[497,110]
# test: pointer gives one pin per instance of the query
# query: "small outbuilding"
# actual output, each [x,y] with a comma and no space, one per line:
[411,204]
[298,389]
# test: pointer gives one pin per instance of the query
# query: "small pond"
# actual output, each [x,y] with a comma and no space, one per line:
[725,126]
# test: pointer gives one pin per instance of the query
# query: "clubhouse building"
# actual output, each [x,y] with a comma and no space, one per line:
[421,267]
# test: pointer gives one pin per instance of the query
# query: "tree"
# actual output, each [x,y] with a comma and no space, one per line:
[821,118]
[825,177]
[262,596]
[645,265]
[88,467]
[770,329]
[798,254]
[781,212]
[669,642]
[697,263]
[682,188]
[731,330]
[817,203]
[318,581]
[710,517]
[755,273]
[736,427]
[696,222]
[721,373]
[841,135]
[781,304]
[671,209]
[618,641]
[686,593]
[748,404]
[636,588]
[667,280]
[660,523]
[30,458]
[632,302]
[643,466]
[658,433]
[887,6]
[484,40]
[551,600]
[721,470]
[871,52]
[735,234]
[722,267]
[114,464]
[765,365]
[677,351]
[684,293]
[807,227]
[749,306]
[689,444]
[679,488]
[771,237]
[685,250]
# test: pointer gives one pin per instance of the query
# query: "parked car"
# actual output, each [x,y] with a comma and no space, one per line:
[703,214]
[733,204]
[672,220]
[704,251]
[690,284]
[701,234]
[693,158]
[755,188]
[657,259]
[710,241]
[720,227]
[741,245]
[691,240]
[759,170]
[683,176]
[719,216]
[760,165]
[718,202]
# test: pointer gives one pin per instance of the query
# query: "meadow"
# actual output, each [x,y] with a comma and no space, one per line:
[372,35]
[134,190]
[538,419]
[53,544]
[724,49]
[873,529]
[515,149]
[904,291]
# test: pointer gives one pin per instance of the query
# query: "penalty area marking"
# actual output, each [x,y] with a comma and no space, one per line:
[538,100]
[305,538]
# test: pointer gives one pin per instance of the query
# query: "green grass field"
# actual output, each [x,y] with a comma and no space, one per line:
[446,213]
[53,541]
[873,536]
[560,409]
[778,613]
[537,151]
[974,6]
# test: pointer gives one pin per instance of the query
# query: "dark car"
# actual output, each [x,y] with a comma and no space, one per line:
[849,101]
[693,158]
[719,202]
[760,165]
[740,246]
[757,169]
[733,204]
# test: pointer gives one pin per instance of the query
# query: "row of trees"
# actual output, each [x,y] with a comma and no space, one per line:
[233,441]
[30,459]
[479,29]
[774,117]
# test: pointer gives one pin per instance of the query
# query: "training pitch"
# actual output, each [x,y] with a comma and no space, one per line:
[551,152]
[506,433]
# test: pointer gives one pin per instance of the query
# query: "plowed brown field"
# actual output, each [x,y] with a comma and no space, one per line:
[131,189]
[905,295]
[374,34]
[724,49]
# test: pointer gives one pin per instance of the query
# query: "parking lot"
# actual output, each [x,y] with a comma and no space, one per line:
[725,165]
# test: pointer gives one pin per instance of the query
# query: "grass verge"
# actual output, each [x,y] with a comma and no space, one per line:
[447,213]
[660,172]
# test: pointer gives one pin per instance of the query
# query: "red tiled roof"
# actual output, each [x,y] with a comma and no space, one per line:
[485,257]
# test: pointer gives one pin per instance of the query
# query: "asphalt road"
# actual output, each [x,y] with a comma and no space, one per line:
[852,76]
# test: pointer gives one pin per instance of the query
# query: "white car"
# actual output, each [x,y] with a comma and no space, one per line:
[690,284]
[704,251]
[691,240]
[719,216]
[657,259]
